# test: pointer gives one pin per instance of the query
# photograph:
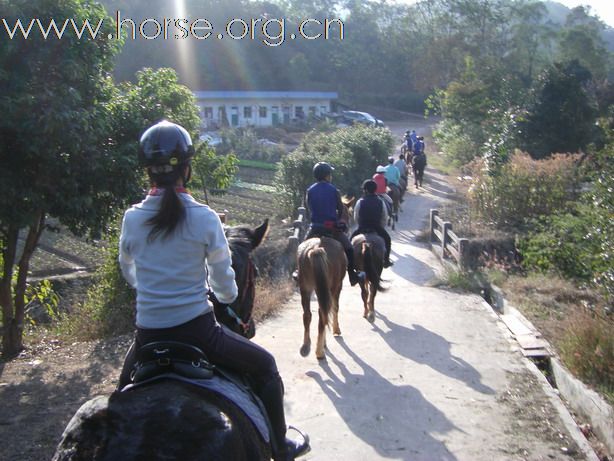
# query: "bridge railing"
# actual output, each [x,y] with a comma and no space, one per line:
[300,226]
[443,238]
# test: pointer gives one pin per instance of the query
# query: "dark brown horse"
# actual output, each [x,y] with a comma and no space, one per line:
[369,252]
[322,264]
[395,194]
[170,419]
[418,166]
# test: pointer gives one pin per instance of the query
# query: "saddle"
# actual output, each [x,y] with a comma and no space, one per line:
[163,357]
[183,362]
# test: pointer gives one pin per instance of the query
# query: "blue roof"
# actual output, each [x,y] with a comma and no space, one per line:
[265,95]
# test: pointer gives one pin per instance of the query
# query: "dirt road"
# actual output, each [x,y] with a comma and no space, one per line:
[435,377]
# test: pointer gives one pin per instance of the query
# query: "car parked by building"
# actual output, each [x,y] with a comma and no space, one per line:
[352,116]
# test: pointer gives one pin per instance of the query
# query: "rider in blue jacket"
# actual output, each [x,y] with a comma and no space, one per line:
[325,208]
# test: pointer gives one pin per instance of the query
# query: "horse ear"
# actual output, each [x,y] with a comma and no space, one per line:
[259,233]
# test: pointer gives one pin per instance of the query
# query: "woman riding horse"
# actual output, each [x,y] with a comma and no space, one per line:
[197,423]
[172,249]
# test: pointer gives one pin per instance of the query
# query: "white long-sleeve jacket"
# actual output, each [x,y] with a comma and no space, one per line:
[172,274]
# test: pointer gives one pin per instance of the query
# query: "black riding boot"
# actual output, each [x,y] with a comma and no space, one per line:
[353,274]
[387,262]
[284,449]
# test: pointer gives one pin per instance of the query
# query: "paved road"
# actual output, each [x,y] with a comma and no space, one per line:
[435,377]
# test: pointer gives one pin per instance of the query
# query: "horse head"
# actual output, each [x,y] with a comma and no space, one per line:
[238,315]
[347,214]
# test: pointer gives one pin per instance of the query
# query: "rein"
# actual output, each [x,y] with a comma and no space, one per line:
[249,288]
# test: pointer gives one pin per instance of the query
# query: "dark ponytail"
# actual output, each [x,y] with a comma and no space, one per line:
[171,213]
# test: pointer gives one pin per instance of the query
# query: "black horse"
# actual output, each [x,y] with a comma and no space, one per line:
[418,163]
[169,419]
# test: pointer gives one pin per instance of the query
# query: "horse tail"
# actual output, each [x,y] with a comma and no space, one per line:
[319,263]
[373,273]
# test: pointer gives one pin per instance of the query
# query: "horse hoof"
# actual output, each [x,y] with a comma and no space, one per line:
[305,348]
[321,357]
[337,333]
[371,317]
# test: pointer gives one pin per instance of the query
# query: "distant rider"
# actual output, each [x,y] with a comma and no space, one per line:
[393,175]
[401,165]
[371,216]
[380,179]
[325,208]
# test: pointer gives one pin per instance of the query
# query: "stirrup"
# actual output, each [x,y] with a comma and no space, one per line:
[298,448]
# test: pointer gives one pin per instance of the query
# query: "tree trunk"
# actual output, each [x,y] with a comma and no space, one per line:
[11,343]
[19,300]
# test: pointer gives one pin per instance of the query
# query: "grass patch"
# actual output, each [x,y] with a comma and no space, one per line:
[258,164]
[572,320]
[587,349]
[271,295]
[459,280]
[438,161]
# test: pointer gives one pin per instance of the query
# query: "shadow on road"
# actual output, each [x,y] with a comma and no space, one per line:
[36,409]
[396,420]
[423,346]
[412,269]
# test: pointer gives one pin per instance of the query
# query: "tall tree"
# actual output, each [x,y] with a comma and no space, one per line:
[50,136]
[562,119]
[581,40]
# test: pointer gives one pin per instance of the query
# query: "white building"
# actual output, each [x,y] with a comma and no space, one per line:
[260,108]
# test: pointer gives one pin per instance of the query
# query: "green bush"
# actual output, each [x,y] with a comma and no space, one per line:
[560,244]
[243,142]
[456,144]
[354,152]
[110,304]
[523,189]
[580,243]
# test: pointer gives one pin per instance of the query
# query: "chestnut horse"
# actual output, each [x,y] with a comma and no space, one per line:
[369,252]
[171,419]
[322,265]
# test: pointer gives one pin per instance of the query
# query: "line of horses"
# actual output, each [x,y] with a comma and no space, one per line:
[173,419]
[322,264]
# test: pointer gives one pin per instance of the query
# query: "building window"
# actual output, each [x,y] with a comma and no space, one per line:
[298,112]
[312,111]
[323,110]
[247,112]
[262,111]
[234,116]
[208,112]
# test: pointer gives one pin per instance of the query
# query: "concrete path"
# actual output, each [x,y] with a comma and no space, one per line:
[435,377]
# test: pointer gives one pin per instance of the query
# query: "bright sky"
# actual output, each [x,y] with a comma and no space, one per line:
[602,8]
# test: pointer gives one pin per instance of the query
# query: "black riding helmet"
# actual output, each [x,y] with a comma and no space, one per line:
[321,170]
[165,145]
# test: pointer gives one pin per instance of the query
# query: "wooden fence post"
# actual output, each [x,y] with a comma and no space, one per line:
[447,226]
[462,251]
[432,224]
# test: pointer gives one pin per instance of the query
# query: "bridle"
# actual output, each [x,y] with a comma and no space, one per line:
[249,289]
